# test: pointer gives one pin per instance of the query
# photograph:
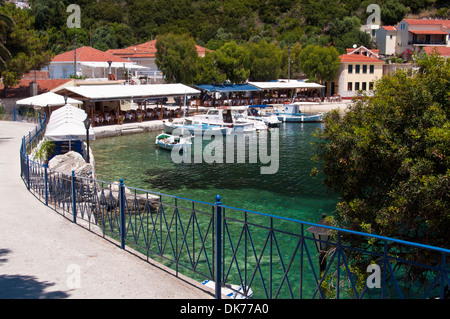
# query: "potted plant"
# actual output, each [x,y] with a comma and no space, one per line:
[139,118]
[121,119]
[45,150]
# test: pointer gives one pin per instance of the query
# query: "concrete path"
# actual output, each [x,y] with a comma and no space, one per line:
[44,255]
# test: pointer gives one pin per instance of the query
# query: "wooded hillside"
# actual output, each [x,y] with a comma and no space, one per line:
[109,24]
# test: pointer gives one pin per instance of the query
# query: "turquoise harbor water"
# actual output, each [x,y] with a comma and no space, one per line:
[291,192]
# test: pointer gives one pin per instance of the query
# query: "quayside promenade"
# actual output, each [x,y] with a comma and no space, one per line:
[44,255]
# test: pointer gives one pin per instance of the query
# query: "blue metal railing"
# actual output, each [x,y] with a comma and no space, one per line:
[253,254]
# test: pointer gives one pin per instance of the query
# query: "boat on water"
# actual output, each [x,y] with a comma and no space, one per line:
[292,113]
[233,291]
[234,119]
[258,112]
[194,128]
[170,142]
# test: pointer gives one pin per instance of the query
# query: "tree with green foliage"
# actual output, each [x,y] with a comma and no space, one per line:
[389,159]
[345,33]
[392,12]
[265,61]
[177,58]
[5,55]
[104,38]
[234,60]
[208,70]
[319,63]
[26,46]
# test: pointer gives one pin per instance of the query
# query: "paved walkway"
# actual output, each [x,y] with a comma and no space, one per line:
[44,255]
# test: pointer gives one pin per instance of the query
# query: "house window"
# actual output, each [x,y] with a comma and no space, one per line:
[364,69]
[356,86]
[350,69]
[390,37]
[402,26]
[357,68]
[371,69]
[370,85]
[349,86]
[364,86]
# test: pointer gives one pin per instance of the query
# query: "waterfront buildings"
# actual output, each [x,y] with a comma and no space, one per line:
[414,34]
[144,55]
[359,69]
[90,63]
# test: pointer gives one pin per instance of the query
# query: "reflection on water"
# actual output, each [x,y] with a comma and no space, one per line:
[291,192]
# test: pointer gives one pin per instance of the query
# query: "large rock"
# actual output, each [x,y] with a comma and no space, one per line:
[71,161]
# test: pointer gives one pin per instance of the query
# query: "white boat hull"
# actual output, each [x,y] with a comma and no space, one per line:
[236,292]
[170,142]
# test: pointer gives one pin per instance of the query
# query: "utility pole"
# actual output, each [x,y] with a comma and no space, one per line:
[75,57]
[289,63]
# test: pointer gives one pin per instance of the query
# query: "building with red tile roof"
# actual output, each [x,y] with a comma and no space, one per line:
[90,63]
[144,54]
[24,88]
[415,34]
[443,51]
[360,68]
[386,40]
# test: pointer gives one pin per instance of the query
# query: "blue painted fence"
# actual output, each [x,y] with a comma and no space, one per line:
[257,255]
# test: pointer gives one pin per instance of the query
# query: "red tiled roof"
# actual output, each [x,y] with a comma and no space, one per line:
[389,27]
[44,86]
[374,51]
[428,32]
[445,23]
[444,51]
[88,54]
[146,50]
[359,58]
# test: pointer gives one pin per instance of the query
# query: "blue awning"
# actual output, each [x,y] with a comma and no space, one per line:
[227,87]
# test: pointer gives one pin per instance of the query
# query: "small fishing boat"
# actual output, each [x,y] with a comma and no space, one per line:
[194,128]
[233,291]
[170,142]
[292,113]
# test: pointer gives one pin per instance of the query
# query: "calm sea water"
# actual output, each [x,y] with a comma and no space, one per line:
[291,192]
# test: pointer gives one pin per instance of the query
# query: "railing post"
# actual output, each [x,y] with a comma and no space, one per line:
[122,213]
[28,173]
[46,183]
[74,198]
[218,244]
[443,276]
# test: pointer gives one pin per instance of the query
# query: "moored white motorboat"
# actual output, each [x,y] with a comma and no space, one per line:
[257,112]
[224,118]
[292,113]
[194,128]
[231,118]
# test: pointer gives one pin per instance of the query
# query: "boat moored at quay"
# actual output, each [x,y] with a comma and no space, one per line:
[292,113]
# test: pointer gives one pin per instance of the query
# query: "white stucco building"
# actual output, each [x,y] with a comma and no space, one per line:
[360,68]
[386,40]
[414,34]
